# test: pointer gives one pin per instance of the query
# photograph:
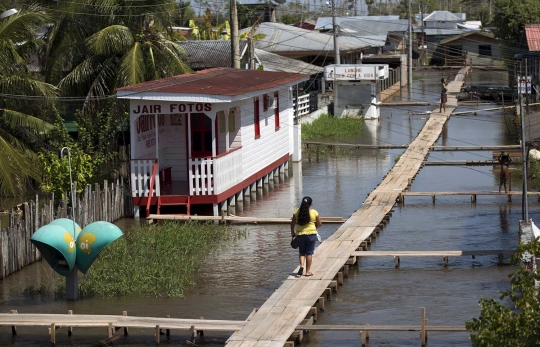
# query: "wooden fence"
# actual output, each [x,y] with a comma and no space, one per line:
[108,203]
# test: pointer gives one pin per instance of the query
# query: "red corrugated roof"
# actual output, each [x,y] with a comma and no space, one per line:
[223,81]
[532,31]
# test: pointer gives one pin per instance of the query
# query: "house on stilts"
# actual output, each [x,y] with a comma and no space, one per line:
[201,141]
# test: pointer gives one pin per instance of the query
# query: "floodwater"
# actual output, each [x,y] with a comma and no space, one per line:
[239,277]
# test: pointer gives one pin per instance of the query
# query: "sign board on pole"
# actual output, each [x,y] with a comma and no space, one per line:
[524,84]
[355,72]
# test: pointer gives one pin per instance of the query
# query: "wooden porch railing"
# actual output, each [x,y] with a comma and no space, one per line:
[141,175]
[214,175]
[151,190]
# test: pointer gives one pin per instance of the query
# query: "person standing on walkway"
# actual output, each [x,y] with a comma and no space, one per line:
[505,160]
[306,221]
[444,98]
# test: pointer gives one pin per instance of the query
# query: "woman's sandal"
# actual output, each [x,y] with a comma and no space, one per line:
[301,271]
[311,274]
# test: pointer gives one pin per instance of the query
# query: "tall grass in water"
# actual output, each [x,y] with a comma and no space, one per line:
[326,127]
[153,260]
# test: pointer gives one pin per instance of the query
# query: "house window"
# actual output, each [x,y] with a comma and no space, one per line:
[276,109]
[256,118]
[484,50]
[222,122]
[265,102]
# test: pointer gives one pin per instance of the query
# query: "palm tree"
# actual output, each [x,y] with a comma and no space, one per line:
[120,43]
[21,131]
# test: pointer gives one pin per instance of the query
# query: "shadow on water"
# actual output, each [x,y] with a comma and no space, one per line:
[239,277]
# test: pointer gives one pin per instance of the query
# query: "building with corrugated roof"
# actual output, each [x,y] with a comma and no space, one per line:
[206,139]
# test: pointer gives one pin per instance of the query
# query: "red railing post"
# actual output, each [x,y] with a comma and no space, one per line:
[151,189]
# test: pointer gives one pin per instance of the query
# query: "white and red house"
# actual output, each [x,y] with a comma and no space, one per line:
[204,138]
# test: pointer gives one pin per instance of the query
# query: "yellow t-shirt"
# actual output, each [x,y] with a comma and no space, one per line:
[309,228]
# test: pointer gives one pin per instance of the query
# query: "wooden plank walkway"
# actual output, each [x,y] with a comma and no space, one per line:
[430,253]
[115,322]
[390,146]
[233,219]
[276,320]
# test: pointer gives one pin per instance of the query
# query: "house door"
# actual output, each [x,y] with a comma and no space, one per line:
[201,135]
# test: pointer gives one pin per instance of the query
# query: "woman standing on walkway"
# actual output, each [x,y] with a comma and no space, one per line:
[444,98]
[306,221]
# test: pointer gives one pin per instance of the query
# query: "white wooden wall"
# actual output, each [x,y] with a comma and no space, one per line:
[272,144]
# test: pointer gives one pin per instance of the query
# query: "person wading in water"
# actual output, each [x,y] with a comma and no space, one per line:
[505,160]
[306,220]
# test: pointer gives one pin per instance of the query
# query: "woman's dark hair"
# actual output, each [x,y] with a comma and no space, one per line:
[442,79]
[303,212]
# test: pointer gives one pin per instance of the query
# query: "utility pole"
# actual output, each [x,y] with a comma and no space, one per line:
[524,202]
[423,51]
[235,44]
[409,56]
[335,32]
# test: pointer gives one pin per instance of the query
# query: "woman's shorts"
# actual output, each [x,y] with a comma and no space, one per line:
[307,244]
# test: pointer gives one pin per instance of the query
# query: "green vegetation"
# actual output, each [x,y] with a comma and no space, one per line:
[517,325]
[153,260]
[326,127]
[511,16]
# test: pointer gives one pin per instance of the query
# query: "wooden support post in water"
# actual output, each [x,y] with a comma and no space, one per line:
[110,330]
[500,257]
[313,313]
[321,304]
[396,261]
[433,198]
[340,278]
[157,334]
[13,327]
[346,270]
[193,333]
[445,261]
[70,329]
[53,334]
[363,335]
[423,335]
[126,331]
[168,331]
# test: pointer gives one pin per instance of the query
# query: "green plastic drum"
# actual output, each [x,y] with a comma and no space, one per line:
[57,246]
[91,241]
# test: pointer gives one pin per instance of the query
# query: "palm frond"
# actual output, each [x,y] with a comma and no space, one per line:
[132,66]
[24,84]
[171,56]
[20,26]
[16,166]
[13,119]
[114,39]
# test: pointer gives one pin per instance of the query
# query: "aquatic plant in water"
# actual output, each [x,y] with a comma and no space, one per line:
[326,127]
[154,260]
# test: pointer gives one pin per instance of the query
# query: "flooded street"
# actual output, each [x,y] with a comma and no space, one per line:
[240,276]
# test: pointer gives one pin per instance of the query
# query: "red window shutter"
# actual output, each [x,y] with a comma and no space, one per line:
[256,118]
[265,102]
[276,110]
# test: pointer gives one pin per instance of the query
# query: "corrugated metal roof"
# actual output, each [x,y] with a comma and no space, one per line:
[276,62]
[442,16]
[285,38]
[372,41]
[325,23]
[442,32]
[206,54]
[470,33]
[223,81]
[260,2]
[532,31]
[372,27]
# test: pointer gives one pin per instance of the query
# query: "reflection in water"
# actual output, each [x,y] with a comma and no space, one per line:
[503,216]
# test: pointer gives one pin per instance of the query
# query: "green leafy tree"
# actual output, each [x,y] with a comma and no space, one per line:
[517,326]
[184,13]
[109,44]
[511,16]
[21,130]
[290,18]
